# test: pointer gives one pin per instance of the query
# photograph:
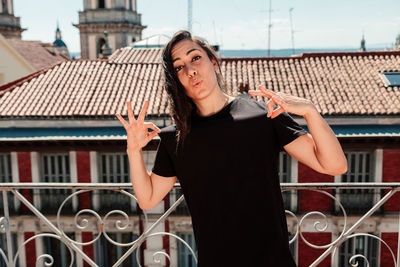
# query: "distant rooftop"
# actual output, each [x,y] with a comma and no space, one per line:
[154,41]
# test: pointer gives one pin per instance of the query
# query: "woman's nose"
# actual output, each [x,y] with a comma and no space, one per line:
[191,71]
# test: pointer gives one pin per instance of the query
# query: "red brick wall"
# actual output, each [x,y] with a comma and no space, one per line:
[25,174]
[166,225]
[313,201]
[30,249]
[88,250]
[83,172]
[386,256]
[391,173]
[308,255]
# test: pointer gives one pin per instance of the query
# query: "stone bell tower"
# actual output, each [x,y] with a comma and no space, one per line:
[10,26]
[118,18]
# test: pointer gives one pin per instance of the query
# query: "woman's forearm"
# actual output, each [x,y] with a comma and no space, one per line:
[141,181]
[327,147]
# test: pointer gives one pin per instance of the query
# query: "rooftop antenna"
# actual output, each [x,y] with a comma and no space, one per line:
[291,29]
[215,33]
[190,13]
[269,27]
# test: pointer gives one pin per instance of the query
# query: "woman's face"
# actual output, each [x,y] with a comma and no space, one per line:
[195,70]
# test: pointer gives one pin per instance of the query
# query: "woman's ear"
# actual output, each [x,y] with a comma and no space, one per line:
[214,62]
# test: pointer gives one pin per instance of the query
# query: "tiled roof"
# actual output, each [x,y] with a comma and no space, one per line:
[85,88]
[337,83]
[129,55]
[39,55]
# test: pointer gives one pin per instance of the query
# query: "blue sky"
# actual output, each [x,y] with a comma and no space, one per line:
[236,24]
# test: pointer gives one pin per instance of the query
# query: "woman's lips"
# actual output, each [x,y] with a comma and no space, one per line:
[196,84]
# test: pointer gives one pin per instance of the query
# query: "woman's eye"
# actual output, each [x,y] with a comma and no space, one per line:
[178,68]
[196,58]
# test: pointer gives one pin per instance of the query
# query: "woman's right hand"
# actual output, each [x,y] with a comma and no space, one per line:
[137,130]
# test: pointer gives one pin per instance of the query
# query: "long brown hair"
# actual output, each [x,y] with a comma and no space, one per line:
[181,106]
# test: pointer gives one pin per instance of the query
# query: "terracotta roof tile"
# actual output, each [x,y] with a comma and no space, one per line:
[39,55]
[337,83]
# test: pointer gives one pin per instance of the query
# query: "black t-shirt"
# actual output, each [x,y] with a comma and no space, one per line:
[227,168]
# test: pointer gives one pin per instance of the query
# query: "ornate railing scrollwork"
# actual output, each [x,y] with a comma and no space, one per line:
[118,221]
[43,257]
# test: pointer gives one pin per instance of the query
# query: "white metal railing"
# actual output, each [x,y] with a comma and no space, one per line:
[11,257]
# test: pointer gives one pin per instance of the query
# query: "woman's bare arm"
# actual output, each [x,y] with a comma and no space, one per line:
[149,189]
[321,150]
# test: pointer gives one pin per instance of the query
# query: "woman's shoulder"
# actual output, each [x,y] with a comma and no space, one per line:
[245,103]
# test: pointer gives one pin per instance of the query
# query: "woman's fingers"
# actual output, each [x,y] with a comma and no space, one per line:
[256,93]
[270,105]
[268,93]
[143,112]
[152,126]
[277,112]
[130,113]
[124,123]
[151,136]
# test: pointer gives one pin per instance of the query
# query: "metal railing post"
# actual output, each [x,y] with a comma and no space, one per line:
[8,229]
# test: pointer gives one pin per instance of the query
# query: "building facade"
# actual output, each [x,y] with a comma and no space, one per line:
[119,18]
[10,26]
[59,126]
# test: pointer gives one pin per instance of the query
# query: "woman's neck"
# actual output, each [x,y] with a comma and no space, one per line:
[212,104]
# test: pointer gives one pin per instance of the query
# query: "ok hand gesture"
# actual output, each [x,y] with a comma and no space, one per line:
[137,130]
[286,102]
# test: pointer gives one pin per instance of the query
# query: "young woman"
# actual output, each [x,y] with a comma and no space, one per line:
[224,152]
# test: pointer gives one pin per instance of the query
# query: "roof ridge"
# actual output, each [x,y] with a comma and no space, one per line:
[318,54]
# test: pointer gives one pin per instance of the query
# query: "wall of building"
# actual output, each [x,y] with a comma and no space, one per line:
[84,167]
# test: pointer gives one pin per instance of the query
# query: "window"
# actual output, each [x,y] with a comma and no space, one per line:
[391,78]
[106,254]
[3,246]
[58,250]
[4,4]
[182,209]
[114,168]
[101,4]
[100,43]
[364,245]
[6,177]
[359,164]
[55,169]
[284,162]
[185,257]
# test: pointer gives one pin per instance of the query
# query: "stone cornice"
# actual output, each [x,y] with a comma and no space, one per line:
[111,27]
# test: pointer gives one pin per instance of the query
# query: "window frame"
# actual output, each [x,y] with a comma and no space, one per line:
[385,75]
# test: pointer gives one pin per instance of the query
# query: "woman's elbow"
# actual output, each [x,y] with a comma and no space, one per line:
[338,170]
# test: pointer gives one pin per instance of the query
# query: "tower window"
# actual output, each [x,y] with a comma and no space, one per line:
[391,78]
[102,4]
[100,44]
[4,5]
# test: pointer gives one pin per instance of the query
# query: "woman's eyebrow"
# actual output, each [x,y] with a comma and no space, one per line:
[187,53]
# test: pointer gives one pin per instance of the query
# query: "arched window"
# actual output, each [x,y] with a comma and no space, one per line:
[4,5]
[100,44]
[101,4]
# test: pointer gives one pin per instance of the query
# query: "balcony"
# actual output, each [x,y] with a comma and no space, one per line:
[116,236]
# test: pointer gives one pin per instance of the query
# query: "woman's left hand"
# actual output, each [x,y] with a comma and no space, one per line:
[289,103]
